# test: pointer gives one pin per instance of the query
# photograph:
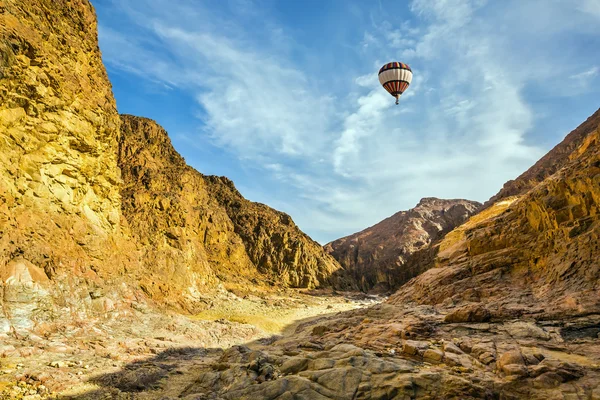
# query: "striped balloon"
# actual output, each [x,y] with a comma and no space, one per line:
[395,78]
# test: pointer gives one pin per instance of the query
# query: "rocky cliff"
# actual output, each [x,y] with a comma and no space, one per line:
[274,244]
[59,123]
[534,253]
[199,228]
[59,180]
[390,253]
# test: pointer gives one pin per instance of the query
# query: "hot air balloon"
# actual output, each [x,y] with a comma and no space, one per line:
[395,78]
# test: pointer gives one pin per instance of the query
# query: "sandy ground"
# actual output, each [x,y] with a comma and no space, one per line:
[279,314]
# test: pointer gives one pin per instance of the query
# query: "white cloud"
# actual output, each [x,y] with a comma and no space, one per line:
[255,103]
[345,163]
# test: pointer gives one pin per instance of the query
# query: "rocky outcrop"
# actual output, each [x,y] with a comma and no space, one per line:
[184,237]
[275,244]
[531,254]
[382,352]
[198,230]
[397,249]
[58,119]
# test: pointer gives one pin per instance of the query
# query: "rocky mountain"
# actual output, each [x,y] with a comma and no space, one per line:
[98,211]
[102,224]
[199,230]
[395,250]
[535,253]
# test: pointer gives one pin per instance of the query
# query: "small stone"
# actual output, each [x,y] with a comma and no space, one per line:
[7,350]
[452,359]
[320,330]
[486,358]
[480,348]
[514,369]
[294,365]
[451,348]
[414,347]
[58,364]
[433,355]
[511,357]
[547,380]
[469,313]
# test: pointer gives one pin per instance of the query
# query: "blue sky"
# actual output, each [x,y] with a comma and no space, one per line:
[283,97]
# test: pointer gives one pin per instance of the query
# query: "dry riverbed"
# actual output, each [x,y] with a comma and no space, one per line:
[66,359]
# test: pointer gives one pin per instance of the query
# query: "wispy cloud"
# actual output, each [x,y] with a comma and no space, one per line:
[343,153]
[585,79]
[591,7]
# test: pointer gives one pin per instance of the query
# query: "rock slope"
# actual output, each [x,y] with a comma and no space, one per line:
[390,253]
[274,244]
[58,120]
[198,230]
[383,352]
[60,208]
[536,253]
[556,158]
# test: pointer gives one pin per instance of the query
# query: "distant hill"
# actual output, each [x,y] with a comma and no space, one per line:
[390,253]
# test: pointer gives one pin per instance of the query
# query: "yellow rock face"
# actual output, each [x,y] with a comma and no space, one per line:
[22,272]
[198,230]
[58,119]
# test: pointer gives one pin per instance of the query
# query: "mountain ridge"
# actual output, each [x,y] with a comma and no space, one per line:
[551,162]
[109,241]
[235,237]
[391,252]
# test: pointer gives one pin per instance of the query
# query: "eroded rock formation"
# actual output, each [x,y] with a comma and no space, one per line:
[60,206]
[556,159]
[58,121]
[508,307]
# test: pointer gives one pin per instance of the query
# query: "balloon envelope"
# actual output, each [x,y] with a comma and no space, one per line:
[395,77]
